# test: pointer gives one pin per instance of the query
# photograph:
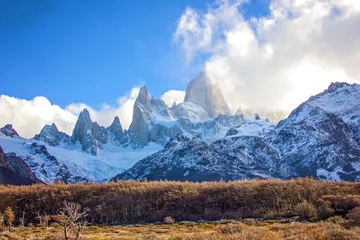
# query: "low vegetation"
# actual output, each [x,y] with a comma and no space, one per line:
[329,209]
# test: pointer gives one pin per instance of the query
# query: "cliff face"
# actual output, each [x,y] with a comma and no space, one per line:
[207,95]
[14,171]
[141,114]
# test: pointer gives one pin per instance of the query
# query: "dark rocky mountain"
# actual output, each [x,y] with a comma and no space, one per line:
[195,141]
[9,131]
[14,171]
[319,139]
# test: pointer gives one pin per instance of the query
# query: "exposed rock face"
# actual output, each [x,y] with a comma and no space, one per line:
[89,134]
[141,115]
[197,160]
[52,136]
[319,139]
[4,162]
[47,166]
[203,93]
[116,129]
[9,131]
[21,168]
[14,171]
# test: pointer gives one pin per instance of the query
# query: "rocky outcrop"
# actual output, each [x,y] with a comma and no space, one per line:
[89,134]
[52,136]
[141,114]
[4,161]
[116,129]
[21,168]
[9,131]
[15,171]
[202,92]
[319,139]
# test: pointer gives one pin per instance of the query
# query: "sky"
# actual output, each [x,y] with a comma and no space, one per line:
[58,57]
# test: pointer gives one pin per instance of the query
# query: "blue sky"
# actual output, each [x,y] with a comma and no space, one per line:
[94,51]
[95,54]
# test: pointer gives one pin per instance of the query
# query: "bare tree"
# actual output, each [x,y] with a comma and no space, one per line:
[43,219]
[22,220]
[71,216]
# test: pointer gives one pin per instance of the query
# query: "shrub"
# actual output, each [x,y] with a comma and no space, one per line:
[324,210]
[343,203]
[169,220]
[305,209]
[354,216]
[231,228]
[336,220]
[9,217]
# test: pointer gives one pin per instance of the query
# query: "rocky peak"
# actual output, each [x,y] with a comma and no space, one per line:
[116,129]
[202,92]
[141,113]
[9,131]
[336,85]
[52,136]
[143,99]
[83,132]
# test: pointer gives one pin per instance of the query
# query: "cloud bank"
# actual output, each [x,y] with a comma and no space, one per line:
[29,116]
[277,61]
[172,96]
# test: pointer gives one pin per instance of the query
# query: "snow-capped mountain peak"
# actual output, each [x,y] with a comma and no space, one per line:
[52,136]
[202,92]
[9,131]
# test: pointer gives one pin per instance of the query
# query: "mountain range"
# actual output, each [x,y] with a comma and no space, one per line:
[196,140]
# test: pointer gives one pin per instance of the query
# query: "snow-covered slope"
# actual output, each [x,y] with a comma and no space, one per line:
[70,164]
[320,139]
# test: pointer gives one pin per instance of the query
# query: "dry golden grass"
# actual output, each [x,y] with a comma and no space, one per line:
[252,230]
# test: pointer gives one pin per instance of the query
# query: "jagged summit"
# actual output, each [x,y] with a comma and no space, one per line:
[141,113]
[52,136]
[9,131]
[336,85]
[202,92]
[116,129]
[83,132]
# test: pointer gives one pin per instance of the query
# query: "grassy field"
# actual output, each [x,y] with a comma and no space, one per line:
[333,228]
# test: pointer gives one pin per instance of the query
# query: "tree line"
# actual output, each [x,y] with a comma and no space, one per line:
[127,202]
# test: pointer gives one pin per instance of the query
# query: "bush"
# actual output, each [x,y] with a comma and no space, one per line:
[324,210]
[343,203]
[9,217]
[231,228]
[354,216]
[336,219]
[169,220]
[305,209]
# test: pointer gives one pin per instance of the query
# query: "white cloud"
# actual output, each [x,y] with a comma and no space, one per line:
[29,116]
[274,62]
[173,96]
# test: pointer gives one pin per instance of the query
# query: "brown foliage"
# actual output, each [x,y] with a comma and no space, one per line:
[305,209]
[133,201]
[354,216]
